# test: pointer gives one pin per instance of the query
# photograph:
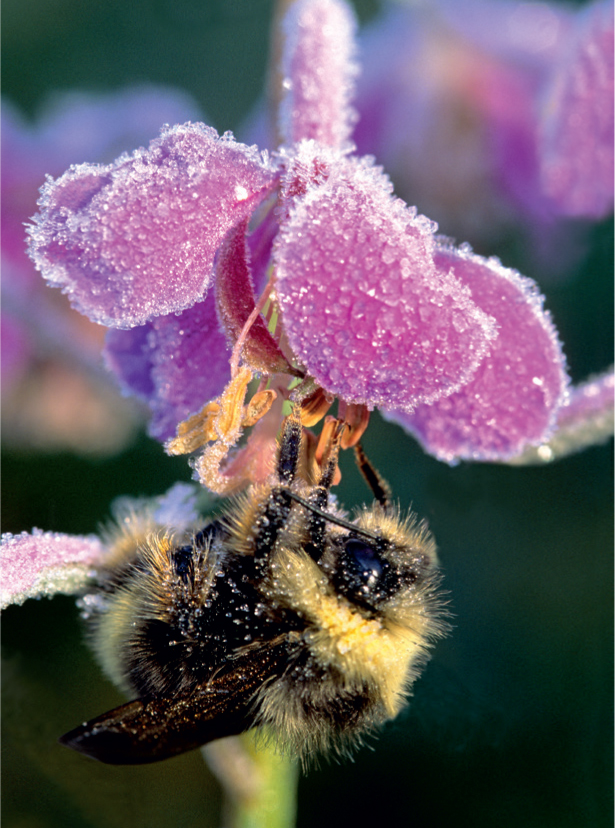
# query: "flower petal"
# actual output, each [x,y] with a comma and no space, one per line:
[129,355]
[577,129]
[163,362]
[319,72]
[585,420]
[136,239]
[177,509]
[45,563]
[235,303]
[363,306]
[516,393]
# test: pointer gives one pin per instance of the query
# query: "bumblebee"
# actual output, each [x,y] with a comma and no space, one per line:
[280,614]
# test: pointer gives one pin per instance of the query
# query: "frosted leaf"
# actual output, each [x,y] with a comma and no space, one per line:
[319,71]
[364,308]
[44,564]
[576,138]
[175,363]
[136,239]
[514,398]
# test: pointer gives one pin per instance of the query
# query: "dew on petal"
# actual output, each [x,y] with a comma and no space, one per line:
[165,211]
[401,330]
[514,398]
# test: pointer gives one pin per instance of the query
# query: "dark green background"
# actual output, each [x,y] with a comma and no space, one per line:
[512,722]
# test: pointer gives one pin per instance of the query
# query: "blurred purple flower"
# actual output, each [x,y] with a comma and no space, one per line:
[54,391]
[491,115]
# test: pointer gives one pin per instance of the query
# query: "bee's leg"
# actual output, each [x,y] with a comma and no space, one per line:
[330,439]
[379,487]
[290,448]
[278,506]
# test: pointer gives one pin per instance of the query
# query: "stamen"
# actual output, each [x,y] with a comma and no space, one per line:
[314,407]
[328,449]
[221,419]
[356,418]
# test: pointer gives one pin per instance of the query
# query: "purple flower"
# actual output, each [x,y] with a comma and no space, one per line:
[55,392]
[494,115]
[170,245]
[45,563]
[575,128]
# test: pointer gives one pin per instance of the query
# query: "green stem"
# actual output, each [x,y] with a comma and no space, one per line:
[260,786]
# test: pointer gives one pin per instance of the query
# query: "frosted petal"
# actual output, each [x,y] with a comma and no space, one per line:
[136,239]
[260,243]
[364,308]
[585,420]
[319,72]
[514,398]
[178,507]
[45,563]
[175,363]
[129,354]
[576,139]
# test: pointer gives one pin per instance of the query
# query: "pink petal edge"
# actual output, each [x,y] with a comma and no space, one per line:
[515,396]
[585,420]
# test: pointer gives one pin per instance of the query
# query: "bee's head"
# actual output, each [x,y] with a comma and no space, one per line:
[372,570]
[366,574]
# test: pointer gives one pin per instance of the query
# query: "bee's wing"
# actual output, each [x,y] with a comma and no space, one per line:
[148,730]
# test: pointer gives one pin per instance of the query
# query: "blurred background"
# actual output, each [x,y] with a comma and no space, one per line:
[511,723]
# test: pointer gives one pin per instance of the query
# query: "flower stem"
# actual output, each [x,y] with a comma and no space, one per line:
[259,785]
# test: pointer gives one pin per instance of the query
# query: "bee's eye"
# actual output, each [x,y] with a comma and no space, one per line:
[363,575]
[362,563]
